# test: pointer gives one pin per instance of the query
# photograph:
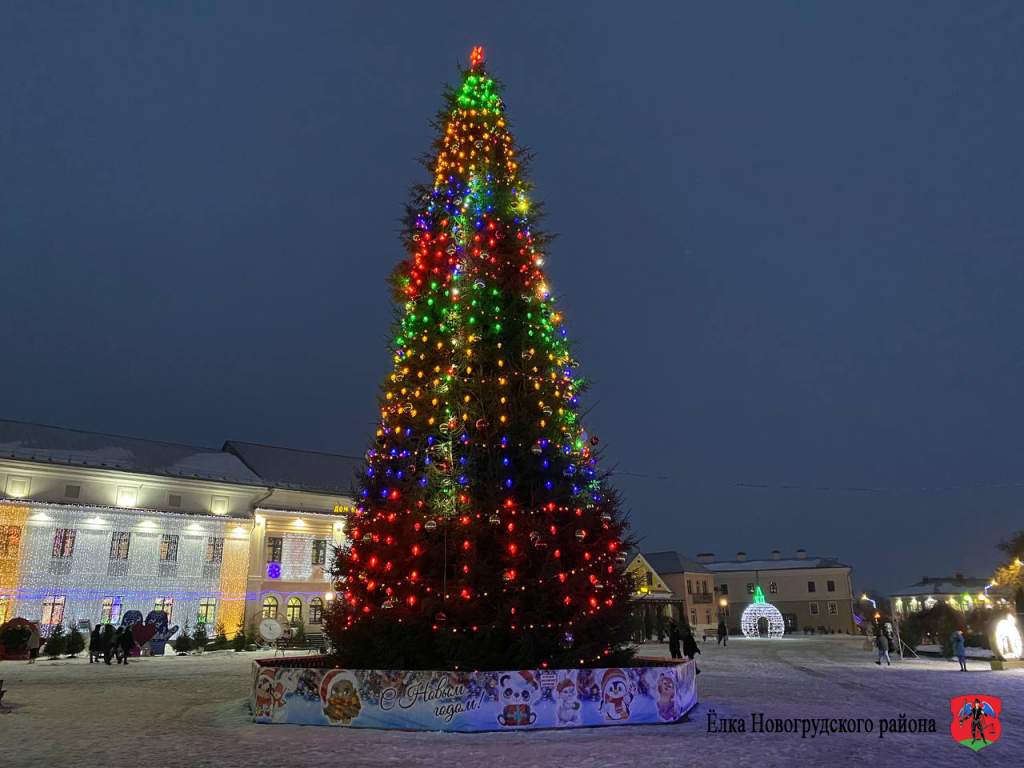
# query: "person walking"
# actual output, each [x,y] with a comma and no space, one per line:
[673,641]
[690,649]
[959,644]
[723,633]
[94,643]
[107,643]
[33,644]
[125,643]
[882,644]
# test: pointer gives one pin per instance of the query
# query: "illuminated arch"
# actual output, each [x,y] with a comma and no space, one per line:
[757,610]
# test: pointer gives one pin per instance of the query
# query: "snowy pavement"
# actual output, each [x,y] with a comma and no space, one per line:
[192,711]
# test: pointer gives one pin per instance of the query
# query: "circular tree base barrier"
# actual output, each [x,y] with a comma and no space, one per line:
[306,691]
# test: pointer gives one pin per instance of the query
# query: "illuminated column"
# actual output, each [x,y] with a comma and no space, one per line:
[234,571]
[10,566]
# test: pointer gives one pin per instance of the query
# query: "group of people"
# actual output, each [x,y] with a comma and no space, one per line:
[107,642]
[682,643]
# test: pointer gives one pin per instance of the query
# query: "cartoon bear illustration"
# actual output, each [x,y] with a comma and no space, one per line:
[269,692]
[519,692]
[616,695]
[668,708]
[567,710]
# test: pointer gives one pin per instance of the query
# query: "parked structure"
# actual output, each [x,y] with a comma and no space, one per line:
[810,592]
[93,525]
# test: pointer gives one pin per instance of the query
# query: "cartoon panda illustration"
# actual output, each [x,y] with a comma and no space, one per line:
[519,691]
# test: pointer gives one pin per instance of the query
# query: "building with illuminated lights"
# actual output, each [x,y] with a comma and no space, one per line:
[810,592]
[93,525]
[964,593]
[670,587]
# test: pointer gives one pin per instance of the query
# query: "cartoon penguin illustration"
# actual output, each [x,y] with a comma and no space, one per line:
[616,695]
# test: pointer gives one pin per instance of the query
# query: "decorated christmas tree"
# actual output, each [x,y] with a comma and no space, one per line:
[484,537]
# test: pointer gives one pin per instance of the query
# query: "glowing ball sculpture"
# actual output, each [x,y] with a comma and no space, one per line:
[1007,640]
[757,610]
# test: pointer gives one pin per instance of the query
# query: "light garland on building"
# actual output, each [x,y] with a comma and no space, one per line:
[760,609]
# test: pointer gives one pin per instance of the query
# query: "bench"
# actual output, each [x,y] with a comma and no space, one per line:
[310,641]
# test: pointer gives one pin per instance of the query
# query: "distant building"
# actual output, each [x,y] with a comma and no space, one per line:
[671,587]
[963,593]
[811,592]
[94,525]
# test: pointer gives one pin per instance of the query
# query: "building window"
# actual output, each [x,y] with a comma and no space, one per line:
[165,604]
[269,607]
[10,540]
[207,610]
[120,542]
[316,611]
[707,616]
[64,542]
[275,546]
[169,548]
[689,587]
[704,586]
[215,549]
[750,587]
[53,610]
[724,589]
[693,617]
[72,491]
[830,585]
[773,588]
[174,500]
[811,586]
[320,552]
[110,613]
[649,578]
[293,611]
[813,608]
[833,608]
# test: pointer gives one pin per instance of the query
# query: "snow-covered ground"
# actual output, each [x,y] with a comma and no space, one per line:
[192,711]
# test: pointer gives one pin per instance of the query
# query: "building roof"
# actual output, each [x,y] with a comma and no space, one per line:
[725,566]
[672,562]
[298,470]
[945,585]
[77,448]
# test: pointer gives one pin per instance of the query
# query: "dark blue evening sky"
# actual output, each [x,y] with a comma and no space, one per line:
[789,253]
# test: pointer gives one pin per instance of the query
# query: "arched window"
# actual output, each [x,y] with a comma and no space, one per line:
[316,611]
[294,610]
[269,607]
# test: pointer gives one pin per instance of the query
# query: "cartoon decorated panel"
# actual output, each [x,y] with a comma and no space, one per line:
[472,701]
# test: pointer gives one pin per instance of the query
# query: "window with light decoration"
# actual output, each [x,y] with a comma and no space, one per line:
[833,608]
[168,548]
[165,604]
[53,610]
[649,579]
[4,606]
[207,610]
[214,549]
[64,542]
[813,608]
[319,551]
[270,607]
[120,543]
[10,540]
[293,610]
[110,613]
[316,611]
[275,549]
